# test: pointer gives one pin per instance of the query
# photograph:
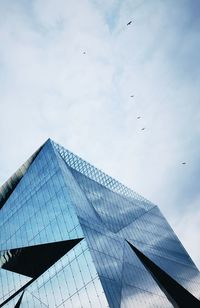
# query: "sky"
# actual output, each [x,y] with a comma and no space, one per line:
[68,70]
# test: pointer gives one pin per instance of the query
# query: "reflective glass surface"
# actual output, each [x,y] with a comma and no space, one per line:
[38,211]
[61,197]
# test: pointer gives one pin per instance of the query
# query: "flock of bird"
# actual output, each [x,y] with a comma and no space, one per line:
[128,24]
[132,96]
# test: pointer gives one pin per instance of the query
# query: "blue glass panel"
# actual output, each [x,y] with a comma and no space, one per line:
[63,197]
[40,210]
[114,210]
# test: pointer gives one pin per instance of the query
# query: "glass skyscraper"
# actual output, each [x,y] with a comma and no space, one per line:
[71,236]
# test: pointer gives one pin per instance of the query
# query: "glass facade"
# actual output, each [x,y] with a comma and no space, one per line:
[71,236]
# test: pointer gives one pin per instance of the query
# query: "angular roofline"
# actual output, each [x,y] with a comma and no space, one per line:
[77,163]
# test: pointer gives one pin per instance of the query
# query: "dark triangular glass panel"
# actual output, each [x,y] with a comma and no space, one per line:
[32,261]
[177,295]
[8,187]
[19,301]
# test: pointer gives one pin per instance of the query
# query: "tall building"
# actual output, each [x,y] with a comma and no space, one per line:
[71,236]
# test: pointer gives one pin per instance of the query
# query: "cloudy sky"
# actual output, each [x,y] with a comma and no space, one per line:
[68,70]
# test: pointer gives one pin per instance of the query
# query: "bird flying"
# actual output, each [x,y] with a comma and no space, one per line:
[128,24]
[138,118]
[132,96]
[184,163]
[143,128]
